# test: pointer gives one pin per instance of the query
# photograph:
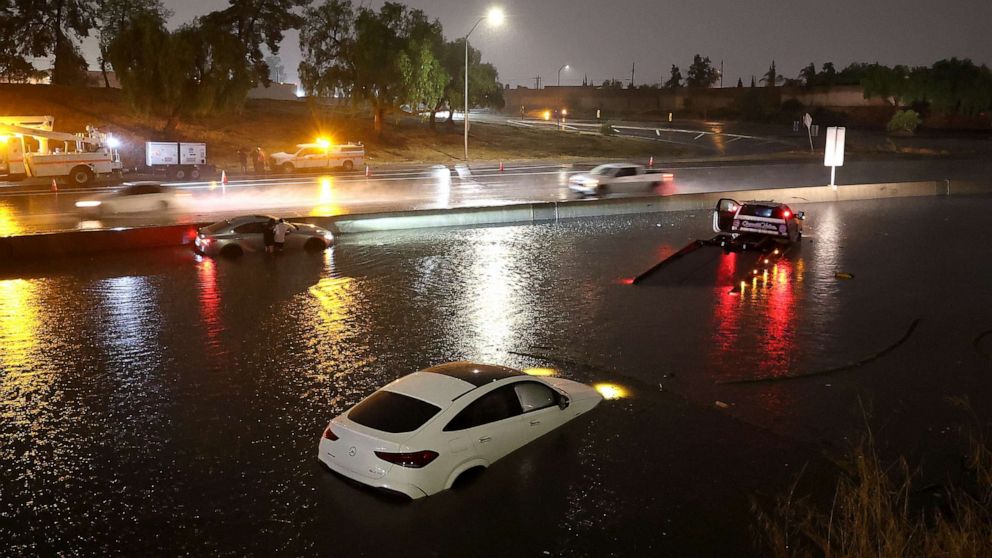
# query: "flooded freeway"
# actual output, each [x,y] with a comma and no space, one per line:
[160,403]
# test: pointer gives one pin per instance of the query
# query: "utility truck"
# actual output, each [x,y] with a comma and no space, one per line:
[29,147]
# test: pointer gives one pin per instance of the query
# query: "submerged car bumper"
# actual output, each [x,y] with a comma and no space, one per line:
[384,482]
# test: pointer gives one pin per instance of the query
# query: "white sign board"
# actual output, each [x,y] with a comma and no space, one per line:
[161,153]
[192,153]
[808,120]
[833,154]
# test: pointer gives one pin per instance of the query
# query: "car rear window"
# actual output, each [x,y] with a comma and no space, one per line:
[757,211]
[393,412]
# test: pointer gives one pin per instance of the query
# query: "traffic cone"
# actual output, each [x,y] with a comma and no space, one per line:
[55,186]
[651,162]
[368,171]
[501,166]
[223,177]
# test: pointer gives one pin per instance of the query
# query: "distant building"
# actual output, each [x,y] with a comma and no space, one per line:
[279,91]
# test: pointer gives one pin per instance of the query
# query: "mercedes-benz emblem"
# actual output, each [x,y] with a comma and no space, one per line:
[352,451]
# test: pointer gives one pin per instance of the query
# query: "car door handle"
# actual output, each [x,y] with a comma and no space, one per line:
[485,439]
[535,422]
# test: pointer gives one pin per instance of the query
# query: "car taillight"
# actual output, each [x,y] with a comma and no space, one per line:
[412,460]
[329,434]
[786,214]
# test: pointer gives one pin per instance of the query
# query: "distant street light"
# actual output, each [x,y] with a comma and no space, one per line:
[563,67]
[495,18]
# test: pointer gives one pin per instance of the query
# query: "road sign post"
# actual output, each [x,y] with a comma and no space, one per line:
[808,121]
[833,153]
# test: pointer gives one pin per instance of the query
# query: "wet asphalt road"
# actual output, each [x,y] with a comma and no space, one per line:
[157,403]
[25,210]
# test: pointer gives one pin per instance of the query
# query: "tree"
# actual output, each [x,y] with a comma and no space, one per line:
[114,15]
[257,23]
[42,28]
[484,87]
[361,53]
[889,84]
[740,83]
[828,75]
[424,79]
[701,73]
[753,85]
[771,78]
[808,75]
[676,79]
[193,71]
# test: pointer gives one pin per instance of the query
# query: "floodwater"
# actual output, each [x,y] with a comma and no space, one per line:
[160,403]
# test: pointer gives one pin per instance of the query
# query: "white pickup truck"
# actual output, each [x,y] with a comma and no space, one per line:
[618,178]
[314,156]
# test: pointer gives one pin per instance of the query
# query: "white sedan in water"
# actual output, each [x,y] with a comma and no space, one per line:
[418,434]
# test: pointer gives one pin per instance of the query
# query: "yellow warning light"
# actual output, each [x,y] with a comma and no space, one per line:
[547,115]
[611,391]
[323,142]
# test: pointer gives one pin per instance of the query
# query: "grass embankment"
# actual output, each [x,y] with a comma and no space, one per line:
[878,510]
[280,125]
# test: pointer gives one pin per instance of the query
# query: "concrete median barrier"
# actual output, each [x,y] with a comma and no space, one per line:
[14,248]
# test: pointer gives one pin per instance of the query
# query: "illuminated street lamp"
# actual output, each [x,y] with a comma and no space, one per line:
[495,18]
[563,67]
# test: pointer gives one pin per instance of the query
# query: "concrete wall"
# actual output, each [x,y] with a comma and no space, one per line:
[613,102]
[15,248]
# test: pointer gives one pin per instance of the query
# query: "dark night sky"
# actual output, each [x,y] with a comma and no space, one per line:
[602,38]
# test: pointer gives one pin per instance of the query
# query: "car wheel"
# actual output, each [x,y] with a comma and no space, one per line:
[315,245]
[180,174]
[288,168]
[348,165]
[194,174]
[232,251]
[80,176]
[467,477]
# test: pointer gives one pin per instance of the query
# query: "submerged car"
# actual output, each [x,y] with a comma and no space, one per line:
[762,218]
[418,434]
[135,197]
[234,237]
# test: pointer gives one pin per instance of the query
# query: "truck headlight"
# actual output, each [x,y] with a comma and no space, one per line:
[88,203]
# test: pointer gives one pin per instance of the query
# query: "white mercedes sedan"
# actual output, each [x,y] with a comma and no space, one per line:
[418,434]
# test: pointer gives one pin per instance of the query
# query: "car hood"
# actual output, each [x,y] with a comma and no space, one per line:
[282,155]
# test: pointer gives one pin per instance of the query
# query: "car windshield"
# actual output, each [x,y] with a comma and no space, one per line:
[601,170]
[388,411]
[216,226]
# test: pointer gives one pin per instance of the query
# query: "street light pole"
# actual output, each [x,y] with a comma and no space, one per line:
[495,17]
[563,67]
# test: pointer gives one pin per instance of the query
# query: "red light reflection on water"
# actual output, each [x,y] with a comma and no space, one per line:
[209,298]
[754,328]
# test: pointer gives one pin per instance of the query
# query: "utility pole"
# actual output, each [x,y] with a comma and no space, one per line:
[632,74]
[537,82]
[721,74]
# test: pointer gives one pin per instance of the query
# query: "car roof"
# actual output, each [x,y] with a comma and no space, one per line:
[241,219]
[476,374]
[436,389]
[764,203]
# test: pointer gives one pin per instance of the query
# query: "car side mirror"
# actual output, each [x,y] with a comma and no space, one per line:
[801,215]
[563,401]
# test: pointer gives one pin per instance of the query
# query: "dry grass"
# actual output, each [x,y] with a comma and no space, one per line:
[280,125]
[873,513]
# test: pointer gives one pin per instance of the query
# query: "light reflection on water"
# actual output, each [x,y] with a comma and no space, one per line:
[234,368]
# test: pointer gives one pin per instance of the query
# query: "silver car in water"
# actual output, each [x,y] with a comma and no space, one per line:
[239,235]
